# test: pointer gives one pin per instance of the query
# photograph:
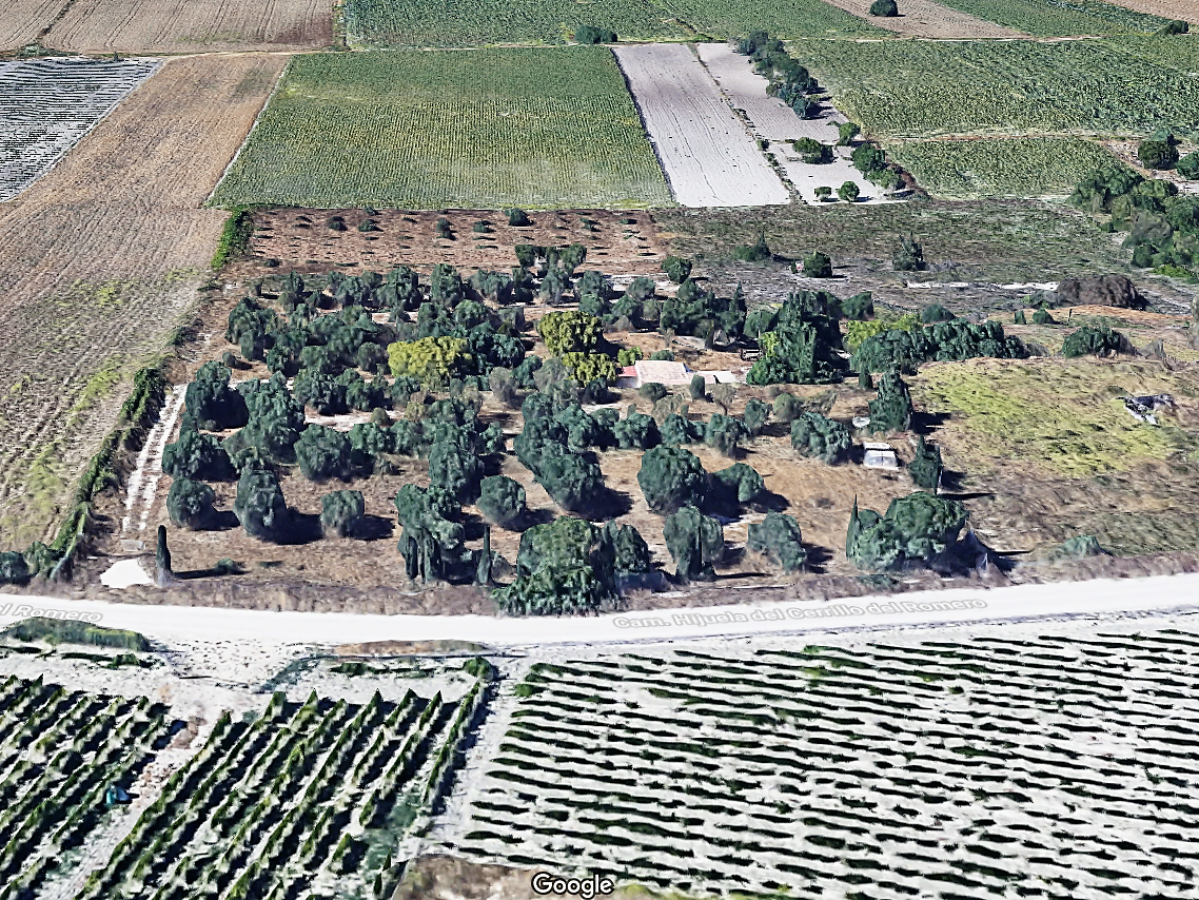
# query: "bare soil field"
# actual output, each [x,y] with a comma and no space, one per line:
[301,240]
[24,20]
[191,26]
[927,19]
[100,258]
[1186,10]
[771,119]
[708,156]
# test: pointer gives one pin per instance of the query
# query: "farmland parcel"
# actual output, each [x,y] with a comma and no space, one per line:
[94,269]
[23,21]
[1130,86]
[709,157]
[475,129]
[1000,167]
[1052,18]
[1051,765]
[457,23]
[47,105]
[177,26]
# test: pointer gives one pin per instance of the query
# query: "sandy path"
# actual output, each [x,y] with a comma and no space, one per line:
[21,21]
[926,19]
[959,606]
[708,157]
[100,257]
[186,26]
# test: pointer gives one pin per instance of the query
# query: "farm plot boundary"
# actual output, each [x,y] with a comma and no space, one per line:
[25,20]
[709,157]
[556,127]
[929,19]
[101,257]
[1054,18]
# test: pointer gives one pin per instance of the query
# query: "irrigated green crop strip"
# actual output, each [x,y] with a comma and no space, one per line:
[1126,86]
[536,128]
[1060,18]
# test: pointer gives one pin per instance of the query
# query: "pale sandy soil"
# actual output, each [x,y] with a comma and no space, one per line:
[189,26]
[23,20]
[1186,10]
[926,19]
[773,120]
[708,157]
[101,256]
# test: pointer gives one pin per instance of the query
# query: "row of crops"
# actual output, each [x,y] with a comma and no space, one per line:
[457,23]
[1057,767]
[473,129]
[1000,167]
[61,752]
[48,105]
[913,89]
[308,799]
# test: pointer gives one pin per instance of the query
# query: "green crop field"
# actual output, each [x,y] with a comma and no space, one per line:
[537,128]
[999,167]
[455,23]
[1126,86]
[1059,18]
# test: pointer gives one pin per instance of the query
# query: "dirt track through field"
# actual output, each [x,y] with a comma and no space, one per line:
[708,156]
[927,19]
[189,26]
[100,258]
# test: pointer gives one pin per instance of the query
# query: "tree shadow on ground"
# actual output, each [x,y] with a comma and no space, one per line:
[608,504]
[924,422]
[304,528]
[375,528]
[818,558]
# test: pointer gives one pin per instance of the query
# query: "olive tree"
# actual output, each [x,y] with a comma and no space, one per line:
[695,542]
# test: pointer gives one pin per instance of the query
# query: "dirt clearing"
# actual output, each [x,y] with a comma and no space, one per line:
[709,157]
[192,26]
[100,258]
[926,19]
[618,243]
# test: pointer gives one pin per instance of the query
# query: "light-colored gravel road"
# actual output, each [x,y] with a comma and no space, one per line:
[709,157]
[957,605]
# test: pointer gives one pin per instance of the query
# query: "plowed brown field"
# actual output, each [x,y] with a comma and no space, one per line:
[1186,10]
[21,21]
[928,19]
[187,26]
[100,258]
[301,240]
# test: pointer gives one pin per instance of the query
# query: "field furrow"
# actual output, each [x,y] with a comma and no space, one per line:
[24,20]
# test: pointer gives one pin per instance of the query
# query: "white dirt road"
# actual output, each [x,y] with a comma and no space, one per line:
[708,156]
[959,606]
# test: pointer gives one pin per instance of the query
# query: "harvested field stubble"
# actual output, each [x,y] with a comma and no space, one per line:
[1127,86]
[191,26]
[1001,167]
[929,19]
[551,127]
[24,20]
[1051,18]
[96,262]
[709,157]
